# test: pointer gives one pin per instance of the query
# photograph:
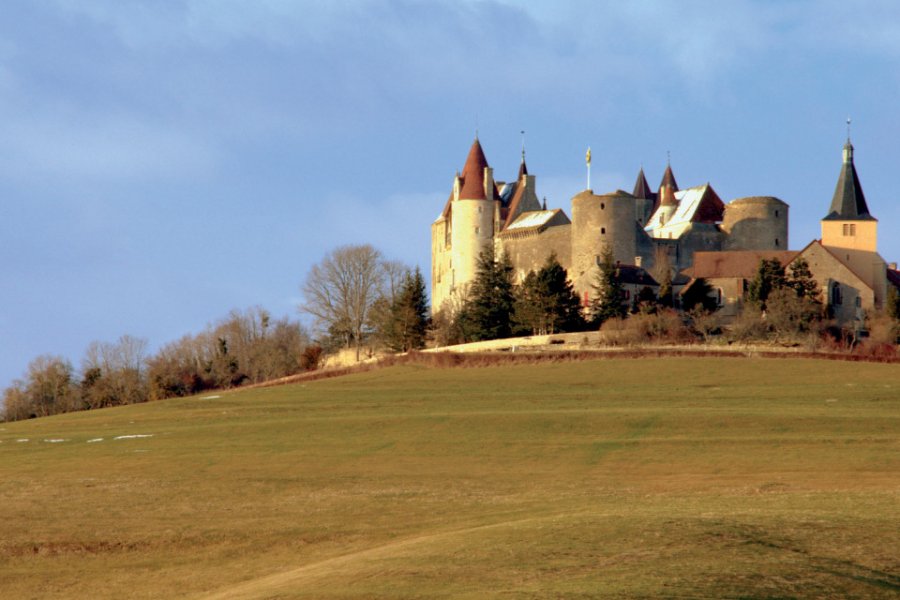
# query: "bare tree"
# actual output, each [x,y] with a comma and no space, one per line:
[340,290]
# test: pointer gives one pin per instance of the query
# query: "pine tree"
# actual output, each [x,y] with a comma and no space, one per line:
[609,299]
[769,277]
[800,279]
[699,295]
[490,308]
[546,301]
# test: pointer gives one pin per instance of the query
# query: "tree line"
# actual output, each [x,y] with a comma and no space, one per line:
[245,347]
[354,295]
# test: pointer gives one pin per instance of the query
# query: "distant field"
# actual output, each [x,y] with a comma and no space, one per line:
[625,478]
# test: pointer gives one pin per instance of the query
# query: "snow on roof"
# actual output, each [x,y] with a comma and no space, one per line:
[534,218]
[688,203]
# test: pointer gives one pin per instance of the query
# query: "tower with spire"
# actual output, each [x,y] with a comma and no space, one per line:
[848,223]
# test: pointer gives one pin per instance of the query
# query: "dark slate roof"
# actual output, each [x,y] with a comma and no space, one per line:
[642,188]
[893,277]
[849,203]
[635,275]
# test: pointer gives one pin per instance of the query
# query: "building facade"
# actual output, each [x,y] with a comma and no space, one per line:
[651,231]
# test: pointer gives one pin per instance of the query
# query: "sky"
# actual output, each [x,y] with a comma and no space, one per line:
[163,162]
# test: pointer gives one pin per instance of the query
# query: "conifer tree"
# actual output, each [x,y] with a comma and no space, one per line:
[769,277]
[609,299]
[546,301]
[490,308]
[801,280]
[409,315]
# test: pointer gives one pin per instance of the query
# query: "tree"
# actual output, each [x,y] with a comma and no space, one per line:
[662,272]
[769,276]
[800,279]
[490,309]
[114,373]
[546,301]
[408,315]
[340,290]
[698,295]
[609,299]
[893,303]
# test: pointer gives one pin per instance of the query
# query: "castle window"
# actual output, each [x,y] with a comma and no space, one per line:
[849,229]
[719,297]
[602,206]
[479,210]
[858,302]
[477,230]
[776,213]
[836,296]
[776,242]
[603,231]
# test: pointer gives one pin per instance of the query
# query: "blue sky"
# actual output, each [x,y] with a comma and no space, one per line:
[162,162]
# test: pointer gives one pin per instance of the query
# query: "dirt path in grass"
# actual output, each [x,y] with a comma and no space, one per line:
[269,585]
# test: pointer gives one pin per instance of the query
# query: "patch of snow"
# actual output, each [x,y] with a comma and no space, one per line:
[95,440]
[55,440]
[210,397]
[22,440]
[133,436]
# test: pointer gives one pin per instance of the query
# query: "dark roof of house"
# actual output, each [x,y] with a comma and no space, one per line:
[734,263]
[893,277]
[634,275]
[848,203]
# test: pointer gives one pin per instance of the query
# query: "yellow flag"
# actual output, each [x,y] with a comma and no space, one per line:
[588,156]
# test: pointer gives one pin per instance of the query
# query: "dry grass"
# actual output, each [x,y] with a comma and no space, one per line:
[610,478]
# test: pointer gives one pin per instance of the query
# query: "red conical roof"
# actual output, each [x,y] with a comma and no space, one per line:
[669,179]
[473,174]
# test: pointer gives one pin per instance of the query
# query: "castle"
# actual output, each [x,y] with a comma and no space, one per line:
[691,233]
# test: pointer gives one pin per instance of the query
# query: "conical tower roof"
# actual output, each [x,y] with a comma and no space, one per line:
[848,203]
[669,179]
[641,187]
[473,174]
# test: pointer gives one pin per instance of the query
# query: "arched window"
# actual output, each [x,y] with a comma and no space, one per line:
[836,297]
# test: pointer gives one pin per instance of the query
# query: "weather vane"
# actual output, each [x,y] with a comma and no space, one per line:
[523,145]
[849,120]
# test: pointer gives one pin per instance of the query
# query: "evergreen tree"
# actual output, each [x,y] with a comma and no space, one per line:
[490,308]
[408,315]
[699,295]
[800,279]
[893,303]
[769,277]
[609,298]
[546,302]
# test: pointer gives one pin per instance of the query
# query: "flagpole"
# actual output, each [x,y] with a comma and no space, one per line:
[588,159]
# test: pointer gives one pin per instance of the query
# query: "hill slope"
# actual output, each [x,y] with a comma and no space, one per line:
[604,478]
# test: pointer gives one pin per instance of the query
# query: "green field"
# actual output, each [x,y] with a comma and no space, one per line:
[668,477]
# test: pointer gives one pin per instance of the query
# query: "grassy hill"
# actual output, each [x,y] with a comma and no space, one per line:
[672,477]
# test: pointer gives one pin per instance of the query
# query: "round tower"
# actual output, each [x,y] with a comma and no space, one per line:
[598,221]
[471,215]
[756,223]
